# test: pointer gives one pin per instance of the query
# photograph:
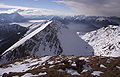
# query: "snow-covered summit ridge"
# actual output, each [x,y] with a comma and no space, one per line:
[105,41]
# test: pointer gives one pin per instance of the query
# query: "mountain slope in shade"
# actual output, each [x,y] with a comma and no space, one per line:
[105,41]
[9,34]
[54,39]
[20,42]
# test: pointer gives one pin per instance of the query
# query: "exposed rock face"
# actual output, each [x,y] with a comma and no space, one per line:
[105,41]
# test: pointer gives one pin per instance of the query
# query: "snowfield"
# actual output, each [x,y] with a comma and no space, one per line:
[22,66]
[97,73]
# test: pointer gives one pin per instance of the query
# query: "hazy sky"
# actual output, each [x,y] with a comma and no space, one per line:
[61,7]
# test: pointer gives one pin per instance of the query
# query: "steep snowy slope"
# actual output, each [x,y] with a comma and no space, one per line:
[105,41]
[54,39]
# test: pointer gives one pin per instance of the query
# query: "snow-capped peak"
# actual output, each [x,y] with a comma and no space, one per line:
[100,19]
[14,15]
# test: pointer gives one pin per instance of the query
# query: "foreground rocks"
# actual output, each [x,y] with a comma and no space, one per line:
[62,66]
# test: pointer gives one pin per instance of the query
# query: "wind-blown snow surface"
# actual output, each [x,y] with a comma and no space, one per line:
[54,39]
[105,41]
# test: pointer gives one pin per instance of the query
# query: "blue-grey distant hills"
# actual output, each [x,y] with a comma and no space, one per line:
[13,17]
[93,22]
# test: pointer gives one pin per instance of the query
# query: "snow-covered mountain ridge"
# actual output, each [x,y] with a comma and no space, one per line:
[27,37]
[54,39]
[105,41]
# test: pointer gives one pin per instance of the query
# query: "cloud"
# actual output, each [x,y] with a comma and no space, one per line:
[94,7]
[35,0]
[8,6]
[30,11]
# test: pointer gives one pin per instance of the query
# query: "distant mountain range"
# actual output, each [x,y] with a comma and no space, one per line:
[96,21]
[40,17]
[13,17]
[92,20]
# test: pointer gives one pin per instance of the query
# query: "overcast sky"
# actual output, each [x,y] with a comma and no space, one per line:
[62,7]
